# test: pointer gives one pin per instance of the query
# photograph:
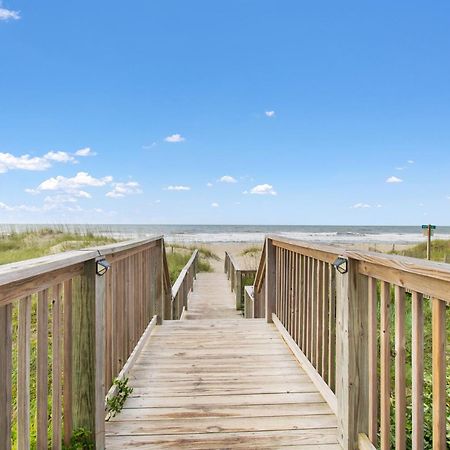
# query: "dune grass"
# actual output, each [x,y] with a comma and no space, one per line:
[440,250]
[203,251]
[177,260]
[19,246]
[251,251]
[33,244]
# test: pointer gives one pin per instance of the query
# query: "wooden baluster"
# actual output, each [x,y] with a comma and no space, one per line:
[439,382]
[319,317]
[304,297]
[270,280]
[56,368]
[301,295]
[277,284]
[325,321]
[67,386]
[332,330]
[417,371]
[312,356]
[296,298]
[5,375]
[400,375]
[373,360]
[23,374]
[385,367]
[308,306]
[42,371]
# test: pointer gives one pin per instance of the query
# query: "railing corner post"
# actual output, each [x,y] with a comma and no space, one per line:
[270,280]
[351,355]
[88,396]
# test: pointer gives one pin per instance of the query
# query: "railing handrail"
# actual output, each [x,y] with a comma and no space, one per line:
[369,261]
[21,270]
[336,314]
[184,271]
[23,277]
[236,264]
[260,272]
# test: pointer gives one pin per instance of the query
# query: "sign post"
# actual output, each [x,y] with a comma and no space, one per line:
[428,230]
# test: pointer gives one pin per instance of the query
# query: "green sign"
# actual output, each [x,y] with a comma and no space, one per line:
[433,227]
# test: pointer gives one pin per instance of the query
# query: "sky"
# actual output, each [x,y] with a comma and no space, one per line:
[225,112]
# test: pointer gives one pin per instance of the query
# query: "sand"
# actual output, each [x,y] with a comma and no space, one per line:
[250,261]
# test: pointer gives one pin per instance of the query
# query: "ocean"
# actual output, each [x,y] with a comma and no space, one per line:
[327,234]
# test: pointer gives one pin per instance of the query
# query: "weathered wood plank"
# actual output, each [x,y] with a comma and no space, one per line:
[23,374]
[5,375]
[42,371]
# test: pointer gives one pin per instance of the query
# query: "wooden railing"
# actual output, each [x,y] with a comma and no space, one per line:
[78,328]
[238,277]
[183,286]
[340,326]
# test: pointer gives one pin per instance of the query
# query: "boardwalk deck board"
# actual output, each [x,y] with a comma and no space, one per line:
[214,380]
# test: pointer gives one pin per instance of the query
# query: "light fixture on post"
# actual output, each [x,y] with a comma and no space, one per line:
[102,267]
[341,264]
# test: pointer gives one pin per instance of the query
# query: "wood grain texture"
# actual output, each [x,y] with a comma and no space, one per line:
[42,371]
[417,371]
[439,382]
[385,366]
[400,375]
[23,374]
[216,380]
[5,375]
[56,367]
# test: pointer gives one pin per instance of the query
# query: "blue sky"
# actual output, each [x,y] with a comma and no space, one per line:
[249,111]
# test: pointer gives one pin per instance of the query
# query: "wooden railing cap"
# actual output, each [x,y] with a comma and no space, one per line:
[179,280]
[13,272]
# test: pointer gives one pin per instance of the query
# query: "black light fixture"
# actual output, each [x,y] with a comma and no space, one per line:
[341,264]
[102,267]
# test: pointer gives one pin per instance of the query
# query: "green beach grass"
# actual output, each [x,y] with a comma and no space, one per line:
[19,246]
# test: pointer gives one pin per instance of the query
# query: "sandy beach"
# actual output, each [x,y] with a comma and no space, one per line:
[251,260]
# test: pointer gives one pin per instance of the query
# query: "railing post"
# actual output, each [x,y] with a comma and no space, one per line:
[238,289]
[270,280]
[5,375]
[159,281]
[352,371]
[88,395]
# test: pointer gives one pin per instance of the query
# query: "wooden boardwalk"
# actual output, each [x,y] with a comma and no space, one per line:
[218,381]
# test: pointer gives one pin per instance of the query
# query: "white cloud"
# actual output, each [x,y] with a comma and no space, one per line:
[209,184]
[270,113]
[59,156]
[178,188]
[361,205]
[8,14]
[394,180]
[123,189]
[72,186]
[85,152]
[214,205]
[175,138]
[5,207]
[148,147]
[24,162]
[227,179]
[66,184]
[33,163]
[263,189]
[410,161]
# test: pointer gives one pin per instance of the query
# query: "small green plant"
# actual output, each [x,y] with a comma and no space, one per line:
[115,404]
[81,440]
